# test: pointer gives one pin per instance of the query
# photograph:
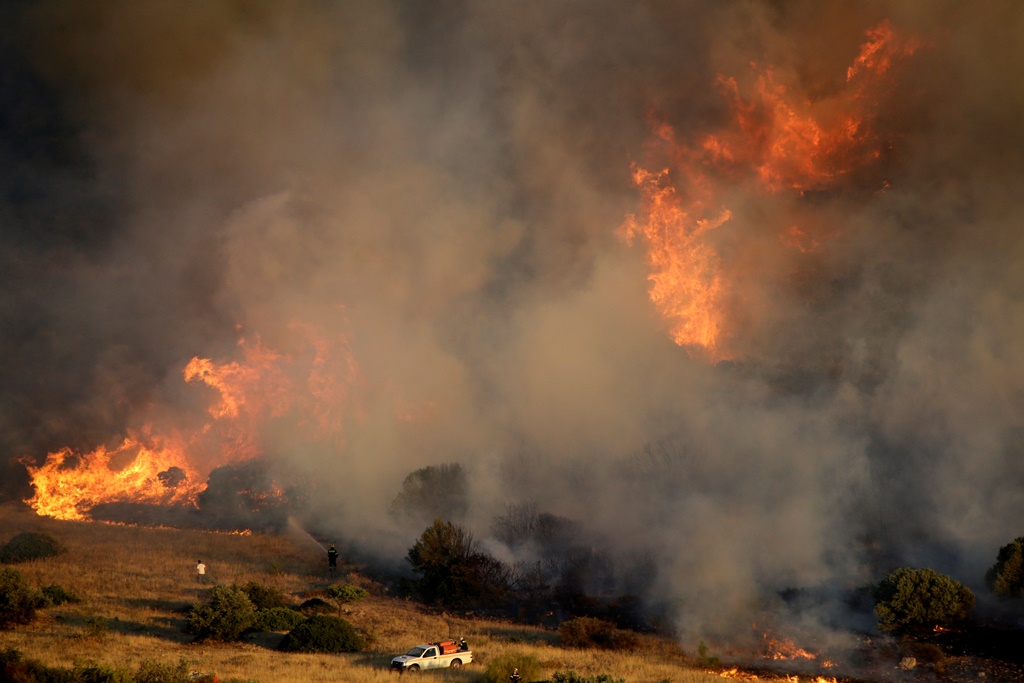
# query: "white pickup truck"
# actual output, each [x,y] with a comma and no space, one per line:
[433,656]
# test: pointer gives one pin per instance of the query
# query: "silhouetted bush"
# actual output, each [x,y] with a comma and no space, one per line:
[909,599]
[57,595]
[30,546]
[323,633]
[500,668]
[277,619]
[265,597]
[18,602]
[1006,577]
[227,614]
[586,632]
[347,592]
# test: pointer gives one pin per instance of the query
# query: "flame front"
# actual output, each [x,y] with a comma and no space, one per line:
[776,142]
[170,468]
[68,485]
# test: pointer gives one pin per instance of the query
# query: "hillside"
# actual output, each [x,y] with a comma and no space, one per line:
[137,583]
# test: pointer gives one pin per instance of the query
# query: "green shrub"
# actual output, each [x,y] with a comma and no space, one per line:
[500,668]
[347,592]
[265,597]
[227,614]
[1006,577]
[277,619]
[323,633]
[30,546]
[92,672]
[17,601]
[909,599]
[55,595]
[155,672]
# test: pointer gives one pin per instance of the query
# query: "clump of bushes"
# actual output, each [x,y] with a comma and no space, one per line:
[584,632]
[30,546]
[277,619]
[323,633]
[18,602]
[500,668]
[227,614]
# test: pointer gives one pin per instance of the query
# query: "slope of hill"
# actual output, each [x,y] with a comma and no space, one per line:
[138,583]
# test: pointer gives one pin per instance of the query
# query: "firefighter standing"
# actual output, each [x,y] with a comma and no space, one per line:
[515,677]
[332,559]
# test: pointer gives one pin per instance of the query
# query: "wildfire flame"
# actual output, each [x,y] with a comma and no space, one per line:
[776,142]
[68,485]
[171,468]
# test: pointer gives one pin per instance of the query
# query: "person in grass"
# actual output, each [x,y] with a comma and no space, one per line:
[200,571]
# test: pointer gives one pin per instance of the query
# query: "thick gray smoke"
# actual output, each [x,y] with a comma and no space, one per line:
[435,189]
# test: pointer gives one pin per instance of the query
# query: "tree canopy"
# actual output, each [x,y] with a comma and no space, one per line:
[453,571]
[908,599]
[1006,577]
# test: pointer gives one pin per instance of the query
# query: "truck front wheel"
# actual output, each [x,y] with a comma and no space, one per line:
[414,669]
[456,663]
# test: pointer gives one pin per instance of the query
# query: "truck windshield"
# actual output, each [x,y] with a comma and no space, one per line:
[415,652]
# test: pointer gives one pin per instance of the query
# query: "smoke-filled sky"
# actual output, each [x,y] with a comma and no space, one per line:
[422,203]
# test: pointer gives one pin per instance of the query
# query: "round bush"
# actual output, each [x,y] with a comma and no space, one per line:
[277,619]
[17,601]
[30,546]
[226,616]
[323,633]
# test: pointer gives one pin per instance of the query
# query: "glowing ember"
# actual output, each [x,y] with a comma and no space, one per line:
[781,649]
[776,142]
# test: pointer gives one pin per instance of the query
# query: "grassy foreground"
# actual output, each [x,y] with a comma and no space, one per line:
[136,585]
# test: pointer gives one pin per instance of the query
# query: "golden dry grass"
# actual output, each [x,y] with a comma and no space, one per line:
[141,581]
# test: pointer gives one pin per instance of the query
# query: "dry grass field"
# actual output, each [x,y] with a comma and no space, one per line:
[141,582]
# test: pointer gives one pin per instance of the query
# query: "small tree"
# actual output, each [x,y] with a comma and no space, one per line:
[454,572]
[18,602]
[909,599]
[263,596]
[226,616]
[1006,577]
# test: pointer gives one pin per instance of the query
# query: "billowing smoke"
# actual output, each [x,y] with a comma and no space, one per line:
[420,204]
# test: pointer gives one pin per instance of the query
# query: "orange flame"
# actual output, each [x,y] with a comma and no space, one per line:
[134,471]
[776,142]
[165,469]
